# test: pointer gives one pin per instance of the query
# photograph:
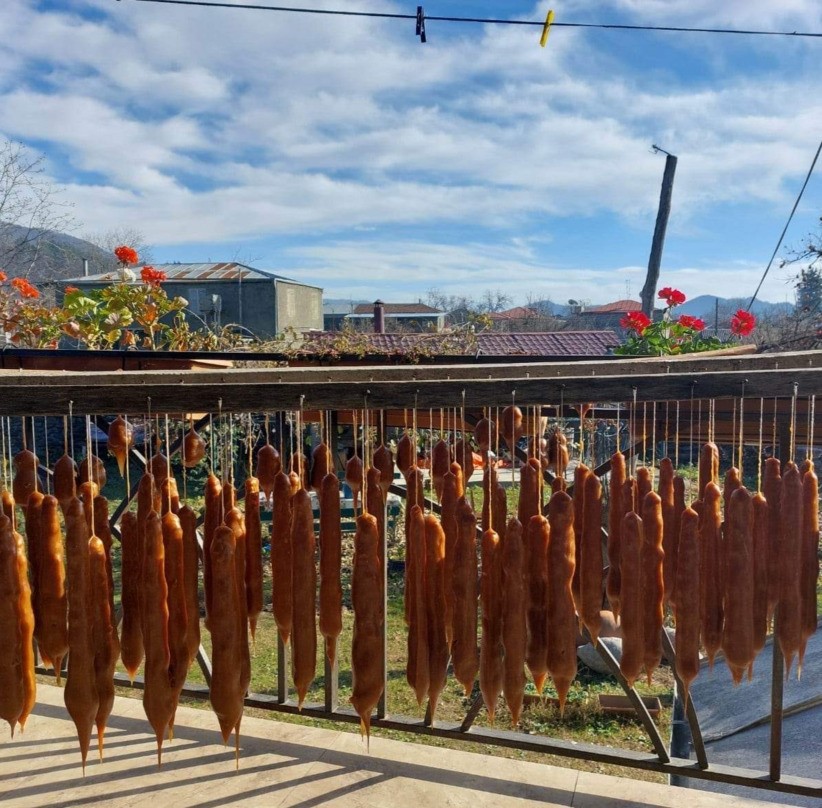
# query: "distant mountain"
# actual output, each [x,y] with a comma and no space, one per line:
[705,306]
[45,255]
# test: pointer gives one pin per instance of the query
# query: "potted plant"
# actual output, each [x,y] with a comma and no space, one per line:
[678,336]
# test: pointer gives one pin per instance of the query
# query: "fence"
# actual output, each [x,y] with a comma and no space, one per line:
[788,382]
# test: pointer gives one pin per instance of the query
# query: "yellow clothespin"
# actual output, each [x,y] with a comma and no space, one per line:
[546,29]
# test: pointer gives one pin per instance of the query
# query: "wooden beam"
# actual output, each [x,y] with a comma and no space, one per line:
[236,394]
[694,363]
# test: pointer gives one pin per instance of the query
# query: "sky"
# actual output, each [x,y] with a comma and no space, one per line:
[346,154]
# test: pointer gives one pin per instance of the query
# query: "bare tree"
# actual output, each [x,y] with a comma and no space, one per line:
[110,239]
[494,300]
[30,208]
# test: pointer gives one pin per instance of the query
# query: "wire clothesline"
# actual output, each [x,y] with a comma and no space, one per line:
[486,20]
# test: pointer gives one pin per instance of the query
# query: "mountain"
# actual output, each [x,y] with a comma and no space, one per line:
[704,306]
[45,256]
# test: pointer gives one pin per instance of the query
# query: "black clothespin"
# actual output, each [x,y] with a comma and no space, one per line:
[421,23]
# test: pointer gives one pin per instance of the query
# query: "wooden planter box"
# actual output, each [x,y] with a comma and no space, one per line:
[92,362]
[610,705]
[735,350]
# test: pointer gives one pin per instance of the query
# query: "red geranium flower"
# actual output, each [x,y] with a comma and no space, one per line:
[673,297]
[153,277]
[3,276]
[69,289]
[688,321]
[126,255]
[742,323]
[635,321]
[24,288]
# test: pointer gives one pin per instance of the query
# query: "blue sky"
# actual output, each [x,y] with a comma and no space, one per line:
[344,153]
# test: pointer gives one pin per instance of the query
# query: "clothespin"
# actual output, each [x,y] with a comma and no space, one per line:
[546,29]
[421,23]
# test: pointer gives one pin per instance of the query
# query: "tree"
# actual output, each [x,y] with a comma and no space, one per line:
[803,329]
[494,300]
[110,239]
[809,291]
[30,208]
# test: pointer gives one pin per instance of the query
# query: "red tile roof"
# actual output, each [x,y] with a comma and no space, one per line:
[542,344]
[397,308]
[517,313]
[548,343]
[618,307]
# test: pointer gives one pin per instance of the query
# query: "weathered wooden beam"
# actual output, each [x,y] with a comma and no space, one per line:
[695,363]
[236,394]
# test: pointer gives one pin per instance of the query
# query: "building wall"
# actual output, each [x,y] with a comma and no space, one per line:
[257,310]
[299,307]
[267,306]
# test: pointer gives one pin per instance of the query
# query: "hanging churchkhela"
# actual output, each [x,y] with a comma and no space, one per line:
[304,578]
[17,683]
[513,618]
[80,692]
[464,652]
[331,562]
[369,621]
[727,558]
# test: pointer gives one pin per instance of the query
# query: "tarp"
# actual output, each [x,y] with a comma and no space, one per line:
[735,722]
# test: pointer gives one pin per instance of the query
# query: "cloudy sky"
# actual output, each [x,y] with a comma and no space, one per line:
[343,152]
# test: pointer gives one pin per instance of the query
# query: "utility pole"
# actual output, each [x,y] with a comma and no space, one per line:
[655,259]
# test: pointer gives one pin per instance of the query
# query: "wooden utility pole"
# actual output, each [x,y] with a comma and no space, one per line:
[649,289]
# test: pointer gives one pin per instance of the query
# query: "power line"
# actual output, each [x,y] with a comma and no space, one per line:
[483,20]
[787,224]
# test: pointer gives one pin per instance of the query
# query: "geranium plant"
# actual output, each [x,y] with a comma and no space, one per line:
[672,335]
[27,321]
[132,313]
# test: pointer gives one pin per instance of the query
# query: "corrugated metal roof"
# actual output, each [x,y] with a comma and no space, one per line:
[551,343]
[223,271]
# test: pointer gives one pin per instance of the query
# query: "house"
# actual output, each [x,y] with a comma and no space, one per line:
[335,312]
[518,318]
[523,318]
[607,315]
[413,317]
[222,294]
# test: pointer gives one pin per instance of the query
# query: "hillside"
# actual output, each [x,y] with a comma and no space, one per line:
[705,306]
[46,255]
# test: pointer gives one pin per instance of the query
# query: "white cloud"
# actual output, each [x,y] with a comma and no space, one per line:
[751,14]
[203,125]
[406,270]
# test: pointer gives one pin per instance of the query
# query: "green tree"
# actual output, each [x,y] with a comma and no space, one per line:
[809,292]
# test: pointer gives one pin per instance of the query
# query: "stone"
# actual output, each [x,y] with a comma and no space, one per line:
[590,657]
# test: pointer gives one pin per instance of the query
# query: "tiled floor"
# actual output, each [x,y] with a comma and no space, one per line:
[287,765]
